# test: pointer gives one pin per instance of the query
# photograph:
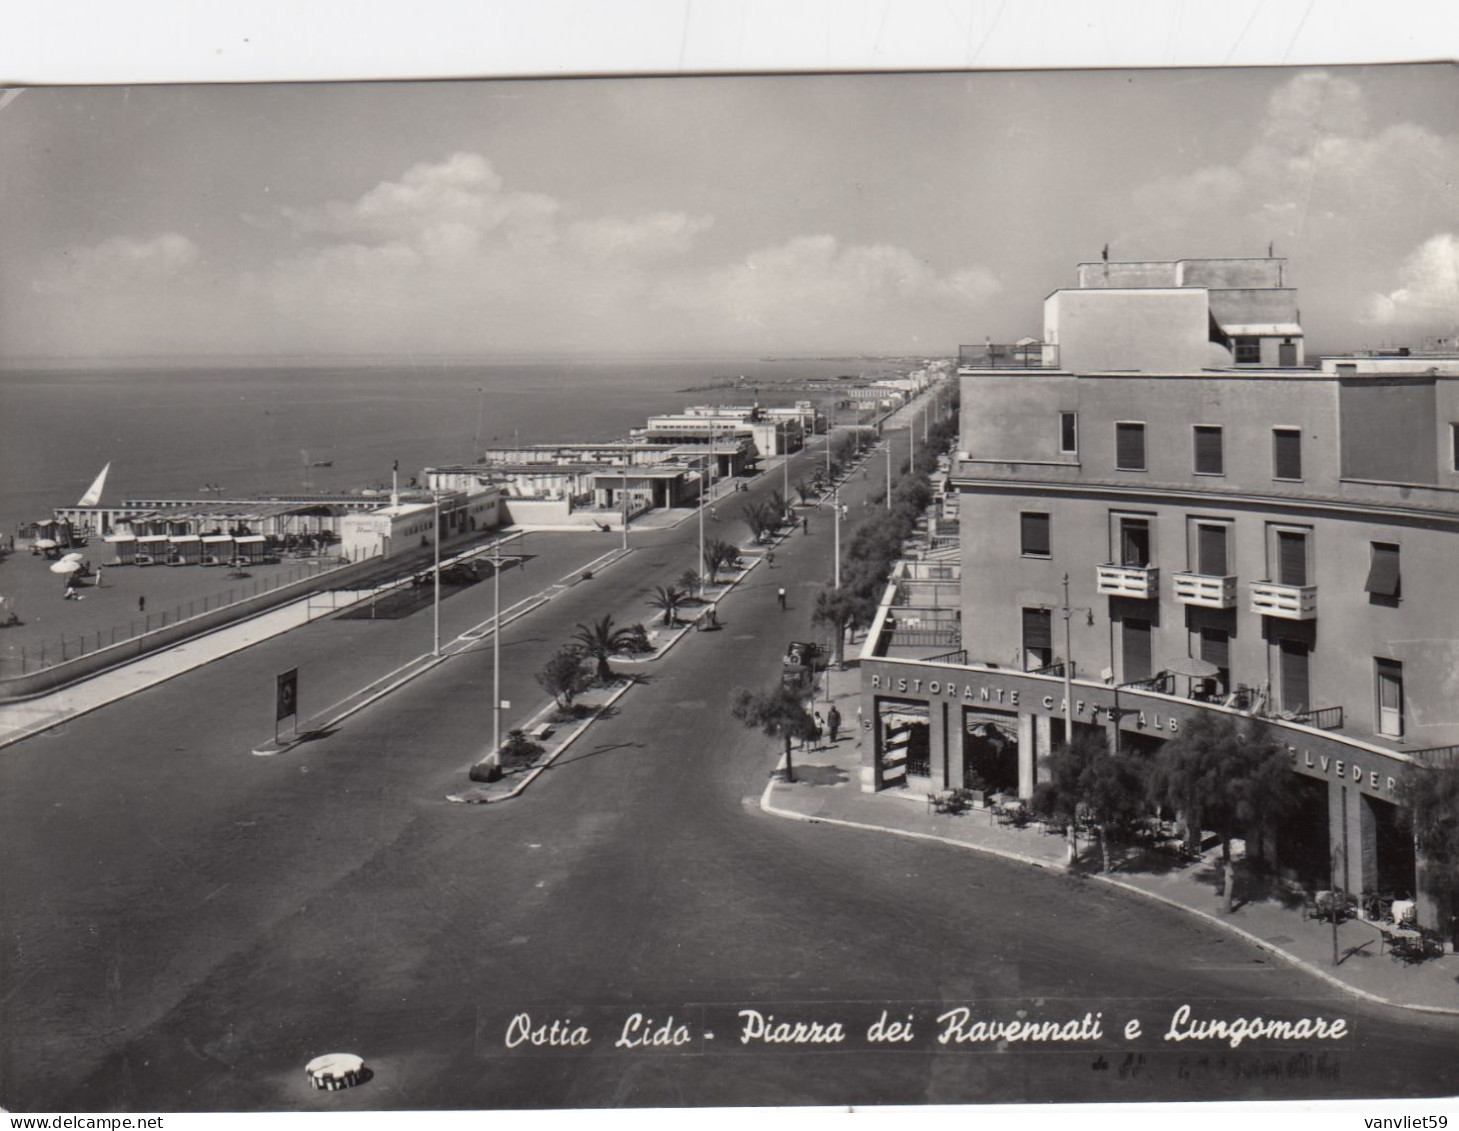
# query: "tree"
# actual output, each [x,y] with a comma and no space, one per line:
[758,517]
[598,640]
[1225,775]
[1429,796]
[779,713]
[717,555]
[840,609]
[667,600]
[690,581]
[563,677]
[804,489]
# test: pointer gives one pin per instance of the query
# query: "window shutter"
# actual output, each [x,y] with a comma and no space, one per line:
[1038,631]
[1135,650]
[1034,533]
[1383,573]
[1130,447]
[1209,458]
[1291,558]
[1287,453]
[1295,694]
[1216,647]
[1211,558]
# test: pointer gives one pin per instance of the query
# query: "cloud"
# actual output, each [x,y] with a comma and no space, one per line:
[1428,293]
[119,261]
[653,236]
[812,291]
[1343,198]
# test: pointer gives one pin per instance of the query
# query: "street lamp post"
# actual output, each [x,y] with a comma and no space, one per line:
[496,650]
[436,608]
[703,472]
[889,471]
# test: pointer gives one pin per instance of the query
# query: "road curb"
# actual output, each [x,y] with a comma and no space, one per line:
[1271,948]
[546,764]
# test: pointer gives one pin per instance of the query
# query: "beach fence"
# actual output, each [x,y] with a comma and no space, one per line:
[39,655]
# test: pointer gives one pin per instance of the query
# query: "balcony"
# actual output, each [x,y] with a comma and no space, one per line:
[1129,581]
[1206,590]
[1288,602]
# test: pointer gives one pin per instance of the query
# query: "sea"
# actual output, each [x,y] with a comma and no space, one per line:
[235,431]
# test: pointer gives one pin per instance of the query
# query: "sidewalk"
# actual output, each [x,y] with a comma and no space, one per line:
[827,788]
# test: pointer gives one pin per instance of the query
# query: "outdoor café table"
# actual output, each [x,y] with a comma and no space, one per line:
[1402,911]
[1396,935]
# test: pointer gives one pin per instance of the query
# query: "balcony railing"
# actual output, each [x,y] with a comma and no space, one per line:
[1289,602]
[1008,355]
[1323,718]
[1128,581]
[1057,669]
[1445,756]
[1206,590]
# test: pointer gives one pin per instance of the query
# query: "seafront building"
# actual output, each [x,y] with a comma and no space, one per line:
[1165,509]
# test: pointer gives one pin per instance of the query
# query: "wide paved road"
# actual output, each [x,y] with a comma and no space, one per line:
[186,925]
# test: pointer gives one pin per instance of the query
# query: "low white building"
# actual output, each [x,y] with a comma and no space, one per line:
[408,525]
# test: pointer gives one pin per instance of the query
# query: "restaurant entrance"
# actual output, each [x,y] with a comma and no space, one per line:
[990,751]
[904,743]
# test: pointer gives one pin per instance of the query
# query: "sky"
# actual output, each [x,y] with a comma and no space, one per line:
[750,215]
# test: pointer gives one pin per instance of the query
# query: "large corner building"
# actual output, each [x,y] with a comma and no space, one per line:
[1161,494]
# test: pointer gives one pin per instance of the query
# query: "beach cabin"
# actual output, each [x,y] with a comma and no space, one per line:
[184,549]
[250,548]
[217,549]
[151,549]
[123,548]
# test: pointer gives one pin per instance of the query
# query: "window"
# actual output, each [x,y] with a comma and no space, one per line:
[1034,534]
[1068,433]
[1134,542]
[1296,688]
[1038,638]
[1286,453]
[1248,351]
[1130,447]
[1135,648]
[1383,578]
[1454,446]
[1212,551]
[1390,697]
[1216,649]
[1291,557]
[1210,459]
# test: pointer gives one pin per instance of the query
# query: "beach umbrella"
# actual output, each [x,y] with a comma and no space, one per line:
[65,567]
[72,557]
[46,543]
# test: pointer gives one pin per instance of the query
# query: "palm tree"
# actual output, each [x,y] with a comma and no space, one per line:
[598,640]
[778,713]
[1226,775]
[758,518]
[718,554]
[667,600]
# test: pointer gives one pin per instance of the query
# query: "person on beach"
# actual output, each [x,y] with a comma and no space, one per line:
[781,595]
[833,722]
[142,603]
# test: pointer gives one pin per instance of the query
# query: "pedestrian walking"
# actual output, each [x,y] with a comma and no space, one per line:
[833,722]
[780,593]
[770,559]
[820,729]
[805,524]
[142,603]
[98,575]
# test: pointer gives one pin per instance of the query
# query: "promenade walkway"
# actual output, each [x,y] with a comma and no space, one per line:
[827,787]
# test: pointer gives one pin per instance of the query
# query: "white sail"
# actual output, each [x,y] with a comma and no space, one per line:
[93,493]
